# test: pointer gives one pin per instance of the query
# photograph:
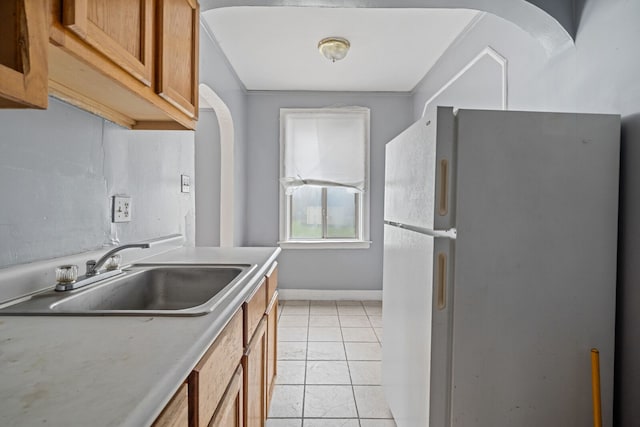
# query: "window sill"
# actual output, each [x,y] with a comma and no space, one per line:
[325,244]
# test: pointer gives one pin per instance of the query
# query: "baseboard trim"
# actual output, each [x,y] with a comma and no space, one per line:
[328,295]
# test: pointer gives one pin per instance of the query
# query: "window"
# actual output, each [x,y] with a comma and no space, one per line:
[324,177]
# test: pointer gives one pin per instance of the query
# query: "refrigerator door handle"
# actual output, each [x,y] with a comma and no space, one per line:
[443,202]
[441,300]
[446,234]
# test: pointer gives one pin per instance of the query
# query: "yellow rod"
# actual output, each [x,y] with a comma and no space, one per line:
[595,387]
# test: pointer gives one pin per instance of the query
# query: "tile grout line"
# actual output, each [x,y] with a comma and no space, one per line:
[306,357]
[353,392]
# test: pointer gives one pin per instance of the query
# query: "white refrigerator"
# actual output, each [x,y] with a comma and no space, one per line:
[500,268]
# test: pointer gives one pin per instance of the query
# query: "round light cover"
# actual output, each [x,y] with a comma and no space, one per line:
[334,48]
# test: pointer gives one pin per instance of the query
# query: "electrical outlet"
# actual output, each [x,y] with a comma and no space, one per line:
[121,209]
[186,183]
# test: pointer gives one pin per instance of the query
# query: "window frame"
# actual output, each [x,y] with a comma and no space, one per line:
[362,199]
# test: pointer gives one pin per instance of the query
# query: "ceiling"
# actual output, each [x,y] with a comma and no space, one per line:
[275,48]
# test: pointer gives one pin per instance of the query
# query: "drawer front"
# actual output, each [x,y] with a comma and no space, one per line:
[254,309]
[230,411]
[176,413]
[272,281]
[210,377]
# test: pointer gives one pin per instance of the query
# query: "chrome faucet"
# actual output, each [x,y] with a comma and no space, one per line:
[66,275]
[93,267]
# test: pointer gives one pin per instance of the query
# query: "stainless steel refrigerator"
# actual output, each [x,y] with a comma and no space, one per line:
[500,268]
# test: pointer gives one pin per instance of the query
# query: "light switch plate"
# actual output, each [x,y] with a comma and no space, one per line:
[121,209]
[185,180]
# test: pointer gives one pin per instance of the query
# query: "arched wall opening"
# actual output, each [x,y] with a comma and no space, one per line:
[206,187]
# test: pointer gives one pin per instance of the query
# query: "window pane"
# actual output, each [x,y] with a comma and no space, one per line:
[306,213]
[341,213]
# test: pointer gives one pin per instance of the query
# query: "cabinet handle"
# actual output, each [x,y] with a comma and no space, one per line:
[595,387]
[443,203]
[442,281]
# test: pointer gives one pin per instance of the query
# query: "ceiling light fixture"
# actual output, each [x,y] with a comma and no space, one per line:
[334,48]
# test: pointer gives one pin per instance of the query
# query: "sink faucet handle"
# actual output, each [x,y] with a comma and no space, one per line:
[91,267]
[66,274]
[113,262]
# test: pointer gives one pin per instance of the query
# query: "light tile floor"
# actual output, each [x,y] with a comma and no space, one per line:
[329,365]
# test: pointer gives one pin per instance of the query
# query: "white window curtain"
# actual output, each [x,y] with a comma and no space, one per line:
[325,147]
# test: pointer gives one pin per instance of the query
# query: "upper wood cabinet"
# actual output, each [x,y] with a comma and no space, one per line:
[122,30]
[133,62]
[178,53]
[23,54]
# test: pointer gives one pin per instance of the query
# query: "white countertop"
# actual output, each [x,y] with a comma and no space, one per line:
[111,371]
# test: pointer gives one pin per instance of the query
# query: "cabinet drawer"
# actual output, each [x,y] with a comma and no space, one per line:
[272,281]
[230,412]
[210,377]
[176,413]
[254,309]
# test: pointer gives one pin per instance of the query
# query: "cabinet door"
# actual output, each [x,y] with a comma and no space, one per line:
[272,347]
[122,30]
[176,413]
[209,379]
[255,390]
[230,410]
[177,77]
[24,41]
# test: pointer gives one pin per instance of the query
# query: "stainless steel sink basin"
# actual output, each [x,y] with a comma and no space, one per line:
[169,290]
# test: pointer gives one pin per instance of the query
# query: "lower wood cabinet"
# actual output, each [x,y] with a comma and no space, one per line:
[254,309]
[232,384]
[176,413]
[272,347]
[230,412]
[272,280]
[209,379]
[255,376]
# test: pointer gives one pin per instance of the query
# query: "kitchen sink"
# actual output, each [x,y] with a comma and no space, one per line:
[166,290]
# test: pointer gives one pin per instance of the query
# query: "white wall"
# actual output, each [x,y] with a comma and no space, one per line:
[356,269]
[216,72]
[207,179]
[58,169]
[600,74]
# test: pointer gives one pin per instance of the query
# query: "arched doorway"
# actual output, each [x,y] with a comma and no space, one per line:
[206,232]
